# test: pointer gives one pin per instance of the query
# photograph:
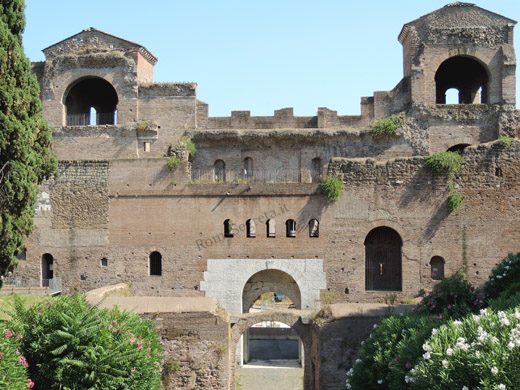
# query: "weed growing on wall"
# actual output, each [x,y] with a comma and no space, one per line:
[173,162]
[389,125]
[504,142]
[448,163]
[332,188]
[455,202]
[190,146]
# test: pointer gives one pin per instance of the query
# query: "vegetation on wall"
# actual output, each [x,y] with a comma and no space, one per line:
[190,146]
[26,156]
[448,163]
[388,125]
[332,188]
[173,162]
[504,142]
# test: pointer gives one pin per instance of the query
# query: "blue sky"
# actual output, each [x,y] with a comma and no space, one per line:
[256,55]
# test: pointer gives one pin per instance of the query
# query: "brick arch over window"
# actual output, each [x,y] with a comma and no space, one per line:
[383,260]
[87,94]
[465,74]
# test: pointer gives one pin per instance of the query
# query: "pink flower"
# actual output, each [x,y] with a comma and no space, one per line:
[19,337]
[114,322]
[133,369]
[23,361]
[30,384]
[51,303]
[132,340]
[162,361]
[17,352]
[408,365]
[8,333]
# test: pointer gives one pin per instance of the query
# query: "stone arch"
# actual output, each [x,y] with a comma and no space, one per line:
[270,280]
[88,93]
[466,74]
[225,279]
[293,318]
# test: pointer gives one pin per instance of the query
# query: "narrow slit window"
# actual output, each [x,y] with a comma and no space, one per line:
[314,228]
[250,229]
[228,228]
[271,228]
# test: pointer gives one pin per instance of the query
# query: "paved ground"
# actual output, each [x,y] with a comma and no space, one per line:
[270,375]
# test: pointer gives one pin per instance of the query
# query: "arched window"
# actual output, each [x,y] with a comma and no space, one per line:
[250,228]
[316,169]
[271,228]
[228,228]
[383,260]
[437,267]
[290,228]
[248,168]
[467,76]
[47,269]
[452,96]
[155,264]
[91,101]
[220,171]
[314,228]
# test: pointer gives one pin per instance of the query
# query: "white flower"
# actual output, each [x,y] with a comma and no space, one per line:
[434,331]
[350,372]
[501,387]
[499,276]
[445,363]
[348,386]
[465,388]
[494,370]
[380,381]
[375,326]
[408,379]
[511,345]
[477,354]
[358,361]
[449,352]
[426,355]
[426,347]
[457,323]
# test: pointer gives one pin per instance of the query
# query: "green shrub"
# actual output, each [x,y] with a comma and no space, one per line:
[452,297]
[445,162]
[173,162]
[480,352]
[388,125]
[505,302]
[71,345]
[454,202]
[387,355]
[13,365]
[503,276]
[190,146]
[332,188]
[504,142]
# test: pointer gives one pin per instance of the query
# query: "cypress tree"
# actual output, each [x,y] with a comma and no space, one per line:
[26,156]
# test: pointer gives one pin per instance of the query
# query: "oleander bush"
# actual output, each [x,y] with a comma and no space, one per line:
[70,344]
[480,352]
[13,365]
[503,276]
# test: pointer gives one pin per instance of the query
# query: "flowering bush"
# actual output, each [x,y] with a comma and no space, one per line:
[503,276]
[71,345]
[482,351]
[13,366]
[392,349]
[452,297]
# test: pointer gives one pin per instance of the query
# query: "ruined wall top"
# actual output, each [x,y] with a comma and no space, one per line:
[461,23]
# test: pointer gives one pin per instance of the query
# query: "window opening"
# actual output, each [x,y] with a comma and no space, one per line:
[248,168]
[437,267]
[104,262]
[47,269]
[228,228]
[91,101]
[155,264]
[314,228]
[290,227]
[250,228]
[220,171]
[467,76]
[316,167]
[271,228]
